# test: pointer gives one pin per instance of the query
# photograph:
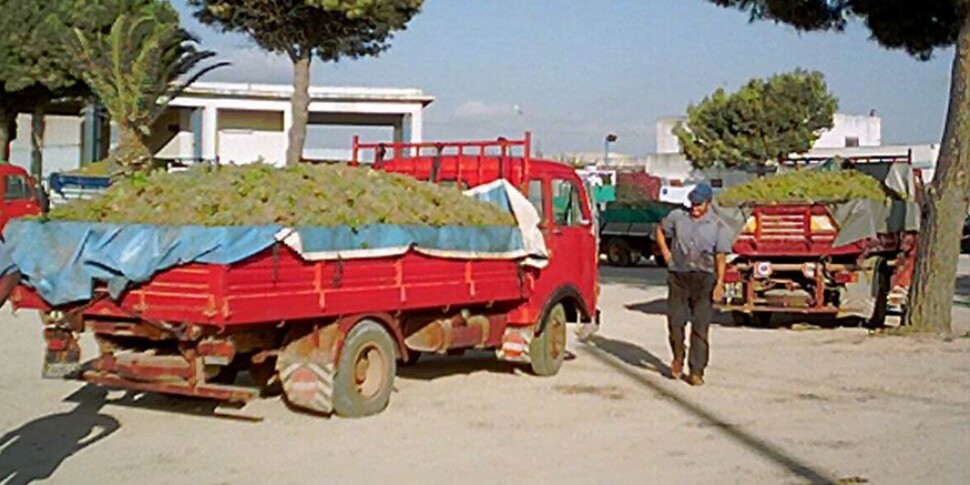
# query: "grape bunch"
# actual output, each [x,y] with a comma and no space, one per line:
[303,195]
[806,186]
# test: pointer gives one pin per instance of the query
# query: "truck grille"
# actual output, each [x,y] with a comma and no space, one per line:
[783,227]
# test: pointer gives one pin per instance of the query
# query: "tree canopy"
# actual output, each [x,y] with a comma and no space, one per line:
[917,26]
[765,120]
[330,30]
[154,54]
[35,65]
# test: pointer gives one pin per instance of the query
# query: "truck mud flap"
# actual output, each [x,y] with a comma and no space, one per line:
[307,366]
[515,345]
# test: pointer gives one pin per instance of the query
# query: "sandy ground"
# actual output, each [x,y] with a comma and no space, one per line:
[796,406]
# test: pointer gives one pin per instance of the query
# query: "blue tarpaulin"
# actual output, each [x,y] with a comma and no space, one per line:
[62,260]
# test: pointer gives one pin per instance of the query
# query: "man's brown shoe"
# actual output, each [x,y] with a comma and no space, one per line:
[695,380]
[676,368]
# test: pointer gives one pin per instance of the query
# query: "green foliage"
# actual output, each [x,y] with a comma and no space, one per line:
[805,186]
[918,27]
[302,195]
[327,29]
[766,120]
[136,69]
[330,30]
[35,65]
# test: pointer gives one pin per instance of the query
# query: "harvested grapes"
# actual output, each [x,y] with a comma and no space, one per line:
[805,186]
[304,195]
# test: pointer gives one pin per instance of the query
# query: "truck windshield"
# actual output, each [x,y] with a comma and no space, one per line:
[17,188]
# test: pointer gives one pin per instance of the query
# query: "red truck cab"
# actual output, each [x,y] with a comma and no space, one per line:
[18,194]
[555,190]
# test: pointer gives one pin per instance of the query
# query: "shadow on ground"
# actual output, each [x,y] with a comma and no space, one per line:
[626,358]
[431,367]
[782,320]
[35,450]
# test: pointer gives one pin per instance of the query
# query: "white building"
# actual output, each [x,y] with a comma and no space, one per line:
[847,131]
[851,135]
[240,123]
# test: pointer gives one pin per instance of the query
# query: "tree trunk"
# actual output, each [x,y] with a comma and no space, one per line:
[945,207]
[132,154]
[37,127]
[8,131]
[300,107]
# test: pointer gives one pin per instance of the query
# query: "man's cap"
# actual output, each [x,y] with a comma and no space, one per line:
[701,193]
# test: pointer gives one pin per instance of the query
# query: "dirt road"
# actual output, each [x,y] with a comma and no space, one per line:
[781,406]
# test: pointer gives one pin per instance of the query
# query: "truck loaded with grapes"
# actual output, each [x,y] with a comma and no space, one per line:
[316,280]
[837,239]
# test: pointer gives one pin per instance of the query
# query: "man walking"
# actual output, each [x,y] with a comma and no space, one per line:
[695,260]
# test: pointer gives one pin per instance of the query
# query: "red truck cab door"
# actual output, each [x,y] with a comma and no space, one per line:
[567,225]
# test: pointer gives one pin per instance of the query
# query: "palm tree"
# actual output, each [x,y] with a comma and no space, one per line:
[136,69]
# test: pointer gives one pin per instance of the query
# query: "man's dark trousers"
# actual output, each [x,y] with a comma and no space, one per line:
[689,298]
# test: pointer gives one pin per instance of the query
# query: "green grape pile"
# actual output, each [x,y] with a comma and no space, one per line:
[805,186]
[304,195]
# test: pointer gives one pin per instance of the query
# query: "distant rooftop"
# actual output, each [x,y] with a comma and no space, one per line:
[317,93]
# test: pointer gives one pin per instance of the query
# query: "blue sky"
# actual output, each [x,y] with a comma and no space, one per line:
[579,69]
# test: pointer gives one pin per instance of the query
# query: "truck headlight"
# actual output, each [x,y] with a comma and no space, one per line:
[762,269]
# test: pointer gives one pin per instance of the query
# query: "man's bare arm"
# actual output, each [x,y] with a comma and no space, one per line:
[661,238]
[720,267]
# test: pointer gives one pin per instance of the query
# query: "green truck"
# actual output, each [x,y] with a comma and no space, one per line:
[626,231]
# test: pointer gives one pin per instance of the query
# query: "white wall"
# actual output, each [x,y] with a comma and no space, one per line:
[181,144]
[62,143]
[666,140]
[245,136]
[866,129]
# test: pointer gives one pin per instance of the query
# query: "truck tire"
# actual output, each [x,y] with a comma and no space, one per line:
[365,371]
[548,349]
[618,252]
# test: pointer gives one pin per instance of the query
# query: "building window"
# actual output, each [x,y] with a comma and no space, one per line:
[851,141]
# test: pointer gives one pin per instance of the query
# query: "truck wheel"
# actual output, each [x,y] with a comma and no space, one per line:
[548,349]
[659,260]
[618,252]
[365,372]
[882,281]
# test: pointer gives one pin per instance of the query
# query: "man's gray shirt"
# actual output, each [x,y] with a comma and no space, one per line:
[694,242]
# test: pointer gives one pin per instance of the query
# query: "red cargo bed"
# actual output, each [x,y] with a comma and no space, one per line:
[278,285]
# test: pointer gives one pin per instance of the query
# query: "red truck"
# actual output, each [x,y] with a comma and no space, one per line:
[18,194]
[332,332]
[796,258]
